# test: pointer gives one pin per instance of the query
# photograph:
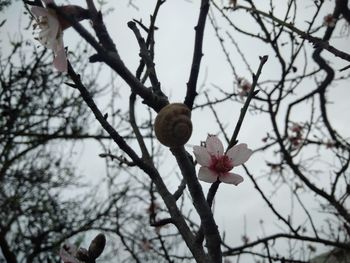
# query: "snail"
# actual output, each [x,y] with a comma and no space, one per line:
[173,126]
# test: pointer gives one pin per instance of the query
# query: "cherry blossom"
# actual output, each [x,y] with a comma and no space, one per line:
[297,136]
[216,164]
[329,20]
[244,86]
[51,33]
[296,127]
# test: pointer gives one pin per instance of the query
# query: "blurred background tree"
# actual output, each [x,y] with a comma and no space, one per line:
[37,115]
[149,206]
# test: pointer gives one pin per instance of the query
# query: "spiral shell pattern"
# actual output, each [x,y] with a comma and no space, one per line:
[173,126]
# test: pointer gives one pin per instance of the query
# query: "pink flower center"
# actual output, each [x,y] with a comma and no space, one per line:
[246,87]
[221,164]
[328,18]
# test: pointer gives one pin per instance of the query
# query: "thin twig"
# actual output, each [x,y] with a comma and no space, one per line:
[251,94]
[197,55]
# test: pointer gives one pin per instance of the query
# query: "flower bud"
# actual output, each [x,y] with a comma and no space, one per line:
[82,254]
[97,246]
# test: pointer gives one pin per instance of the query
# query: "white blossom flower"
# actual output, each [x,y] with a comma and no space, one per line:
[51,34]
[215,164]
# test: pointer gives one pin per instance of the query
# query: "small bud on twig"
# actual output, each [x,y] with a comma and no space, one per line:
[82,254]
[97,246]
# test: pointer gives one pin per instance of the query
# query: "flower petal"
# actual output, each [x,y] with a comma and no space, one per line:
[58,44]
[231,178]
[60,61]
[207,175]
[202,155]
[50,32]
[239,154]
[214,146]
[54,25]
[39,11]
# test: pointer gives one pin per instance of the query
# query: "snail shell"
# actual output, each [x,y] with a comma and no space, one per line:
[173,126]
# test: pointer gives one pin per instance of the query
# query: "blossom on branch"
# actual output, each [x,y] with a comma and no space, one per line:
[329,20]
[244,86]
[297,134]
[51,34]
[216,164]
[297,128]
[51,29]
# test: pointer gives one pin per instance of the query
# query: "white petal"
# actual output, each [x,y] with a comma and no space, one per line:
[231,178]
[39,11]
[202,155]
[60,61]
[207,175]
[51,34]
[45,39]
[214,146]
[58,44]
[54,26]
[239,154]
[43,34]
